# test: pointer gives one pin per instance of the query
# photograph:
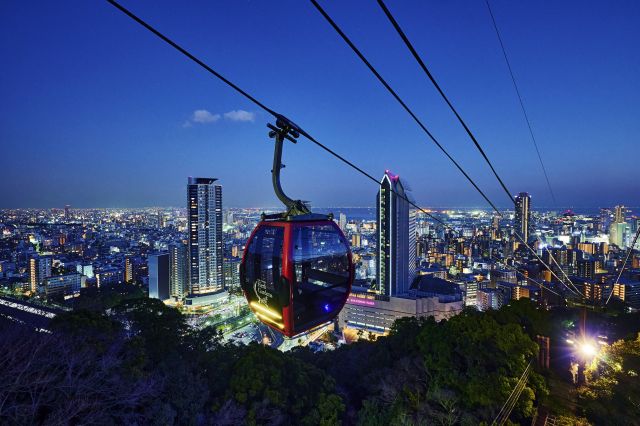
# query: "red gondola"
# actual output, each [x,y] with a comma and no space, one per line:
[296,271]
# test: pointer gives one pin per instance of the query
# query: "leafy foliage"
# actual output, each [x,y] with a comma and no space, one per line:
[146,366]
[612,392]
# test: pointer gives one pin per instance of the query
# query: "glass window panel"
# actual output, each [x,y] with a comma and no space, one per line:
[321,267]
[263,270]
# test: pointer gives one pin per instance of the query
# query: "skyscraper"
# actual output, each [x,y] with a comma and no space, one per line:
[522,221]
[128,269]
[620,214]
[605,219]
[343,222]
[617,234]
[178,270]
[396,261]
[159,276]
[204,207]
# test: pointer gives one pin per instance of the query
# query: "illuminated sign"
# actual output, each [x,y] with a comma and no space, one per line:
[361,302]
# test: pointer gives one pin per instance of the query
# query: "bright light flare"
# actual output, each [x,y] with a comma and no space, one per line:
[588,349]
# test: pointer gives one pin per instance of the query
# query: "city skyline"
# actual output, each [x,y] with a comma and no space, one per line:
[583,119]
[334,213]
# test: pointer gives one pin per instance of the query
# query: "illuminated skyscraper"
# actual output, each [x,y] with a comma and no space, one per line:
[343,222]
[178,270]
[605,219]
[128,269]
[617,234]
[620,214]
[159,276]
[522,221]
[204,207]
[396,261]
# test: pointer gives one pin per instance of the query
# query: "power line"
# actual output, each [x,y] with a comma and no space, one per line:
[624,264]
[446,99]
[261,105]
[513,396]
[400,101]
[524,111]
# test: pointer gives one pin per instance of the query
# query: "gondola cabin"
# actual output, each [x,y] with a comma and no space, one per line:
[296,273]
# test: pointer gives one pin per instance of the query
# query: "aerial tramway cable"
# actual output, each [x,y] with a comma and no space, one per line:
[360,55]
[524,111]
[263,106]
[401,102]
[417,57]
[297,128]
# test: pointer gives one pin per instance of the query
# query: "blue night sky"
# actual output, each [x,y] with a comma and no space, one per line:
[97,112]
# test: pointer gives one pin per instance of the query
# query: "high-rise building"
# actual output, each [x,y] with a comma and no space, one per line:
[178,270]
[159,276]
[396,237]
[343,222]
[495,227]
[522,221]
[229,218]
[588,267]
[67,213]
[617,234]
[620,214]
[204,207]
[39,269]
[128,269]
[232,273]
[605,220]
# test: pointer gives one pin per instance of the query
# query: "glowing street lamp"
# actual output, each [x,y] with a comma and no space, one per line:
[587,349]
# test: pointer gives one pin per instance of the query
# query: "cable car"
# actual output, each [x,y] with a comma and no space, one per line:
[296,270]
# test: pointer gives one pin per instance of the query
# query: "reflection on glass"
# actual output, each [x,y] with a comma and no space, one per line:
[263,270]
[321,267]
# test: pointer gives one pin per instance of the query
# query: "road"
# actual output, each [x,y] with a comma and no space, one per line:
[29,314]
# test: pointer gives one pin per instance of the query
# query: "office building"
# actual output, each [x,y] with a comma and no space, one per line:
[605,220]
[489,298]
[85,269]
[617,234]
[504,275]
[376,313]
[159,276]
[628,292]
[178,270]
[619,216]
[128,270]
[343,222]
[588,267]
[204,209]
[64,285]
[396,237]
[232,273]
[109,275]
[522,221]
[39,269]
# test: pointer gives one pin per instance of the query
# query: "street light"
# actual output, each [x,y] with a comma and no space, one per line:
[587,349]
